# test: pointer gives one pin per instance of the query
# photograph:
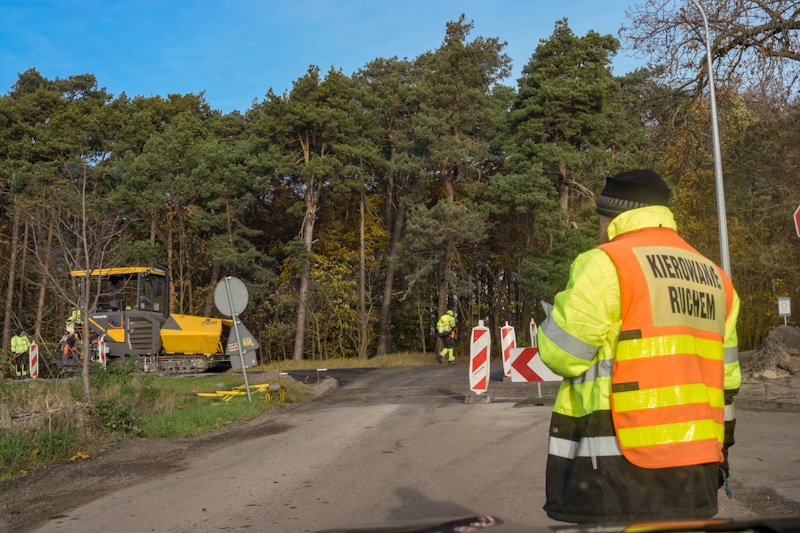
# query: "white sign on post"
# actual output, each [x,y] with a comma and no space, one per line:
[230,297]
[784,308]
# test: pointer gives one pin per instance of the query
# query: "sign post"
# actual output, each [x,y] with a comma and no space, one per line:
[230,297]
[784,308]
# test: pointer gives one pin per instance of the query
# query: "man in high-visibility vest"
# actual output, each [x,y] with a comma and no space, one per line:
[19,351]
[446,329]
[645,336]
[73,320]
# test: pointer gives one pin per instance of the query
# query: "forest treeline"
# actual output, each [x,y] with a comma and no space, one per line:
[358,208]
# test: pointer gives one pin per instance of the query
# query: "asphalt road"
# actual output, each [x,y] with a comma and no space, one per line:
[398,444]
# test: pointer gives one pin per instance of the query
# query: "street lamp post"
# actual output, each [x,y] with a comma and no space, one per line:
[724,256]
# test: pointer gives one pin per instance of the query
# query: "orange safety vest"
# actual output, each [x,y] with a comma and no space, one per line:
[667,398]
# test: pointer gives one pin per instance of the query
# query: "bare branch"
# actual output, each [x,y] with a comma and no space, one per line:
[754,43]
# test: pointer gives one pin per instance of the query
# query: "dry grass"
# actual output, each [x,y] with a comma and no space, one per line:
[39,404]
[396,359]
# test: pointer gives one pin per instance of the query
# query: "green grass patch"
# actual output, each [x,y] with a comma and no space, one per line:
[194,415]
[25,450]
[189,413]
[153,406]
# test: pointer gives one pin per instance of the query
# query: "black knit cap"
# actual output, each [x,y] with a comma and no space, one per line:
[631,190]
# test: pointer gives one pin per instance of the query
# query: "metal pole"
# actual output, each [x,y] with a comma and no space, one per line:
[724,256]
[238,339]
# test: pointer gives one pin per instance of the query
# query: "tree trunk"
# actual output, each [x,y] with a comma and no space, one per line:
[441,278]
[390,189]
[23,272]
[210,300]
[170,259]
[302,297]
[12,262]
[87,389]
[441,272]
[384,332]
[526,315]
[389,197]
[153,227]
[43,287]
[87,258]
[423,328]
[362,284]
[563,191]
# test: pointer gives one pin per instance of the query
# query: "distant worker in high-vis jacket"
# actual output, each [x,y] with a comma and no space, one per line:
[73,320]
[20,345]
[645,338]
[446,329]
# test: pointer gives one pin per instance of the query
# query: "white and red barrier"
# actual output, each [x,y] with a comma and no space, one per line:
[508,340]
[527,365]
[480,343]
[101,350]
[33,360]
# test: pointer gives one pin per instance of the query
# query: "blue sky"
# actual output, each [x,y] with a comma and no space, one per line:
[237,50]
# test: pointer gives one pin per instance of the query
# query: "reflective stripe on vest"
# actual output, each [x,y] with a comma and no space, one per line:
[586,447]
[667,398]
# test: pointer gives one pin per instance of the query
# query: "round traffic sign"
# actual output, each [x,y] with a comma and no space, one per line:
[230,296]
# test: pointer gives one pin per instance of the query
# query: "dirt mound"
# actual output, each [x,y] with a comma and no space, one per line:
[777,357]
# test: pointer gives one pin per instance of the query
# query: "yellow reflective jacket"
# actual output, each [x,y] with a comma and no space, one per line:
[20,343]
[446,323]
[588,478]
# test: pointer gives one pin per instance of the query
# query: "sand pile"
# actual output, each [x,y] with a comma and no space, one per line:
[777,357]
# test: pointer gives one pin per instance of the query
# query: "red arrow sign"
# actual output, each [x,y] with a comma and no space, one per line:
[521,364]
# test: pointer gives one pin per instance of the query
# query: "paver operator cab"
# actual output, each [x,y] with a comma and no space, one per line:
[129,312]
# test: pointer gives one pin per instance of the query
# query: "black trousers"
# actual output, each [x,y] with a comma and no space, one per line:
[21,359]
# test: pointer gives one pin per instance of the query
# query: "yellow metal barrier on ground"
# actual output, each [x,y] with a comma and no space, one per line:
[267,389]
